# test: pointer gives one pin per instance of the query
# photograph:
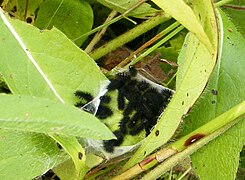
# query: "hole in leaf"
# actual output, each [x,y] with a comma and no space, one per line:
[58,145]
[157,133]
[14,9]
[214,92]
[80,155]
[29,20]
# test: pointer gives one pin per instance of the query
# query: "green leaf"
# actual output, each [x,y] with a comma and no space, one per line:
[45,116]
[186,16]
[77,153]
[45,64]
[196,64]
[143,11]
[48,64]
[73,18]
[225,90]
[25,155]
[66,170]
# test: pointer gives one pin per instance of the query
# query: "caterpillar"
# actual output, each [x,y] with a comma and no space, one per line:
[140,101]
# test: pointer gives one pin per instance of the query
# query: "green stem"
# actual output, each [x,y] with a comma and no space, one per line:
[172,78]
[99,27]
[223,2]
[99,34]
[153,48]
[148,43]
[129,35]
[184,174]
[106,170]
[212,126]
[124,38]
[170,174]
[113,20]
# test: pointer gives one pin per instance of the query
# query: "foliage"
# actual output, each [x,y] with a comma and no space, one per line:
[42,65]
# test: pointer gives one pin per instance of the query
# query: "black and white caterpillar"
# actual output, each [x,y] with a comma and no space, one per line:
[140,100]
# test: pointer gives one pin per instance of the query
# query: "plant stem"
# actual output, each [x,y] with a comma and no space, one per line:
[221,3]
[124,38]
[99,34]
[235,7]
[153,48]
[113,20]
[148,43]
[184,174]
[99,27]
[170,174]
[129,35]
[210,127]
[172,78]
[26,9]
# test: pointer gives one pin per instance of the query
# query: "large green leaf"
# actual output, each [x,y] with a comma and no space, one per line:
[196,63]
[26,155]
[44,116]
[226,87]
[72,17]
[45,64]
